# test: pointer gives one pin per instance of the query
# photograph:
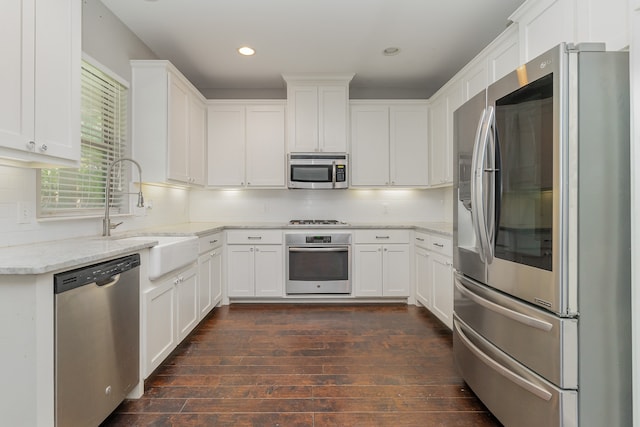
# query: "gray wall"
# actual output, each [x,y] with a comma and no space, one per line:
[106,39]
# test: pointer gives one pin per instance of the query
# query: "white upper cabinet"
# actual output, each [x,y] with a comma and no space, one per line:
[495,61]
[389,143]
[246,144]
[545,23]
[317,112]
[441,135]
[40,102]
[168,125]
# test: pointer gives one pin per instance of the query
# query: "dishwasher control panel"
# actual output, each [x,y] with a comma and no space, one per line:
[97,273]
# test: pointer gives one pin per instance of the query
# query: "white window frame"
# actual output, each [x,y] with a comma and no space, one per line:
[93,204]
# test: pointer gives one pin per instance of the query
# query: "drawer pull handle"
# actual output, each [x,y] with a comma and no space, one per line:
[254,237]
[508,374]
[440,245]
[420,239]
[506,312]
[211,242]
[382,237]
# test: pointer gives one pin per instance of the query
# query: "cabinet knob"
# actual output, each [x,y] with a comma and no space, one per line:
[43,147]
[31,145]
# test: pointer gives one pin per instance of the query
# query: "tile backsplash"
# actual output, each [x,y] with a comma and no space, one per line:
[168,205]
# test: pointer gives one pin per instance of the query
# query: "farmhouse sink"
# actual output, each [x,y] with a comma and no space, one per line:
[170,253]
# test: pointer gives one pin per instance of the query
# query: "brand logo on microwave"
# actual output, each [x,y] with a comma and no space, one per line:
[544,64]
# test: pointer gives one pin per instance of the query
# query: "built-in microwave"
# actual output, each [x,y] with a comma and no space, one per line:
[318,170]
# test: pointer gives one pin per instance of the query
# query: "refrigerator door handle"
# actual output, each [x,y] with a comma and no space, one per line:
[508,374]
[475,207]
[478,189]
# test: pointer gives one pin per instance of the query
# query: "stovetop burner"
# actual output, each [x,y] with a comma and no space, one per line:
[320,222]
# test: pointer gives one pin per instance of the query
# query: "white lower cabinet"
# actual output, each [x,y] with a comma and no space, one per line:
[187,300]
[382,270]
[209,273]
[170,313]
[255,270]
[434,275]
[159,320]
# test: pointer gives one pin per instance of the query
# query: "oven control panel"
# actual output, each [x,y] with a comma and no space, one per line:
[318,239]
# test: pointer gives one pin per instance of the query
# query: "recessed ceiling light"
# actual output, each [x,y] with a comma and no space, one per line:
[391,51]
[246,51]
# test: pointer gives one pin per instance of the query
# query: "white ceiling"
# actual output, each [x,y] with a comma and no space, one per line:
[200,37]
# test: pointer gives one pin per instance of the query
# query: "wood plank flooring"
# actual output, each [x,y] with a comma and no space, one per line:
[309,365]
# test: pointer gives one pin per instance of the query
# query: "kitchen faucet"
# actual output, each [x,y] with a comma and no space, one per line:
[106,221]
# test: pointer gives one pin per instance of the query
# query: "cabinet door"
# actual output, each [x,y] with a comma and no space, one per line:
[409,145]
[216,277]
[424,289]
[265,146]
[40,103]
[367,265]
[187,303]
[178,128]
[226,145]
[197,141]
[475,80]
[205,282]
[268,270]
[438,140]
[332,118]
[396,270]
[369,145]
[442,280]
[57,78]
[303,118]
[17,29]
[240,272]
[159,338]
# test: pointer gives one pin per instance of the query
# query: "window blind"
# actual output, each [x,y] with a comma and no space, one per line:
[81,191]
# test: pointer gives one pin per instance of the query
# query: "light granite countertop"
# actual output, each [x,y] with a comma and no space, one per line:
[59,255]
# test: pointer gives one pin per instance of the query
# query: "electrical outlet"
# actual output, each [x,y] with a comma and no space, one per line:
[25,212]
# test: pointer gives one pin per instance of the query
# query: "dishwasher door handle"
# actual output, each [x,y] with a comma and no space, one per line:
[110,281]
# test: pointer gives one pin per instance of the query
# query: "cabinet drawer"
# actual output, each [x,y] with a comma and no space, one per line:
[441,245]
[423,240]
[210,241]
[381,236]
[254,237]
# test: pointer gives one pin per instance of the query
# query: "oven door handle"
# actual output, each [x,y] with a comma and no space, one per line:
[316,249]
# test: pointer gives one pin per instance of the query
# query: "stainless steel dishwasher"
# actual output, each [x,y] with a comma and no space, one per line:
[96,339]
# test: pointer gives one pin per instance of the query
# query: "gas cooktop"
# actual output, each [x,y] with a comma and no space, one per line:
[317,222]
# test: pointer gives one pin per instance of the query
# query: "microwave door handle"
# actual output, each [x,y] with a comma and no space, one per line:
[475,206]
[333,174]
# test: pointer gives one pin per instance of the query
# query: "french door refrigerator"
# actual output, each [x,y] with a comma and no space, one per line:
[542,241]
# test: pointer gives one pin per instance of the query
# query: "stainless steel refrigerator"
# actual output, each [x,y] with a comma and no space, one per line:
[542,310]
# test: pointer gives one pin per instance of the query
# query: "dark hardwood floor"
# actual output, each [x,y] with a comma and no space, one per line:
[309,365]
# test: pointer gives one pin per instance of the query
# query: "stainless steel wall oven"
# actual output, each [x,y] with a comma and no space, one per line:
[318,263]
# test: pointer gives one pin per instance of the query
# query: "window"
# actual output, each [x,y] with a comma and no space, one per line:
[80,192]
